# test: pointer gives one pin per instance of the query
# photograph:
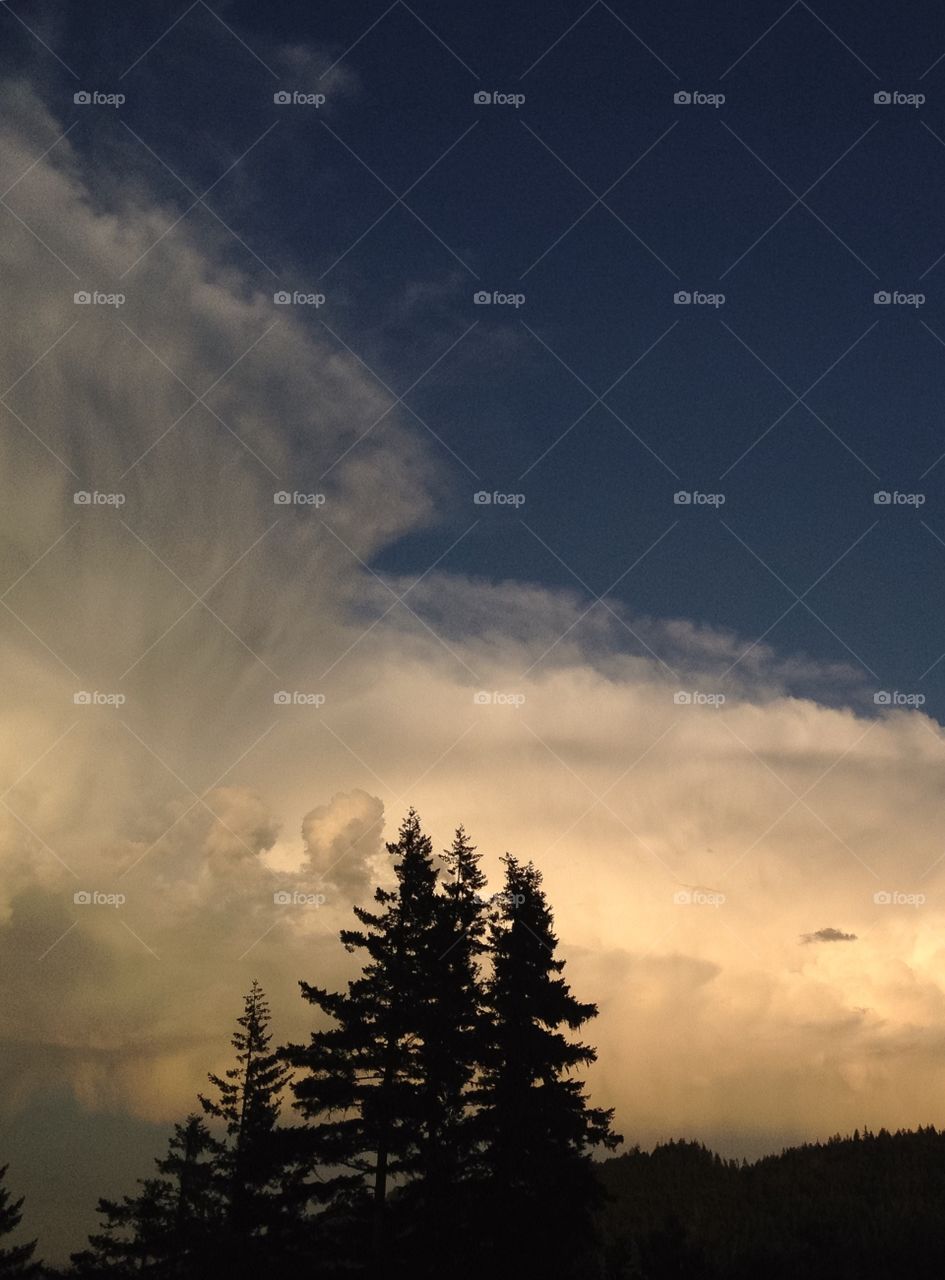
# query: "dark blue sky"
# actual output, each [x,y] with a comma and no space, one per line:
[798,199]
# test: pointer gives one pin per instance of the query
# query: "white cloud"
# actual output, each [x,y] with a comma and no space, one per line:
[200,797]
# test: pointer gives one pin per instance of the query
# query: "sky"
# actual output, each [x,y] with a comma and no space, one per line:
[629,565]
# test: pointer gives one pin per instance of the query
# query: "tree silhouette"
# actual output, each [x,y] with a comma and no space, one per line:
[15,1259]
[171,1227]
[442,1128]
[534,1122]
[251,1163]
[449,1043]
[362,1077]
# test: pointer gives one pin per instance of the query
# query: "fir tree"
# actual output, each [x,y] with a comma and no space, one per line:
[171,1227]
[362,1078]
[448,1039]
[535,1124]
[16,1259]
[252,1161]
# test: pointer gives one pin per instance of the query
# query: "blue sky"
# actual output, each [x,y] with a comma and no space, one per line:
[582,198]
[797,198]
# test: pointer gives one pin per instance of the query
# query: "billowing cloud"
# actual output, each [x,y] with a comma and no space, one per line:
[342,839]
[215,714]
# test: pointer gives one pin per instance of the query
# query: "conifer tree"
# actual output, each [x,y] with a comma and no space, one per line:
[448,1039]
[251,1163]
[16,1259]
[534,1121]
[362,1080]
[171,1227]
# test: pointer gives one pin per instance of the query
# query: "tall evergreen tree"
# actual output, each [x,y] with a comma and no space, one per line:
[448,1047]
[536,1127]
[15,1259]
[171,1227]
[252,1163]
[362,1078]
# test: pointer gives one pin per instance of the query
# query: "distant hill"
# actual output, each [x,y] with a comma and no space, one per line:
[872,1205]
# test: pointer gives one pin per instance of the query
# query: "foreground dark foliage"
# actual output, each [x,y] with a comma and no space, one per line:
[870,1206]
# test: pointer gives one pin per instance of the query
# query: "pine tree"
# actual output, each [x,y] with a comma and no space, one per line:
[535,1124]
[170,1228]
[448,1040]
[252,1166]
[15,1260]
[362,1078]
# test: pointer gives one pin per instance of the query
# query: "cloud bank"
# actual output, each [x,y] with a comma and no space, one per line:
[258,708]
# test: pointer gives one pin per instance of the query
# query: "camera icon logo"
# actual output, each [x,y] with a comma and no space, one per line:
[883,298]
[682,498]
[281,898]
[682,97]
[482,99]
[882,698]
[83,298]
[682,698]
[82,698]
[82,499]
[882,98]
[482,499]
[281,98]
[82,898]
[482,698]
[282,698]
[82,98]
[482,298]
[882,897]
[882,498]
[282,298]
[682,298]
[282,499]
[682,897]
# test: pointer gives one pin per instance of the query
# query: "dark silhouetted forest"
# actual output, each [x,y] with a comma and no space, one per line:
[434,1124]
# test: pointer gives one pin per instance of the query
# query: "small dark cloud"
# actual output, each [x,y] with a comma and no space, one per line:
[828,935]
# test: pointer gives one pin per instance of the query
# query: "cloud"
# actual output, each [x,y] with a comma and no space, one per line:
[343,838]
[828,935]
[203,801]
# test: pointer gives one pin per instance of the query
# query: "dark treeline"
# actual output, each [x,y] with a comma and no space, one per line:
[434,1125]
[869,1207]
